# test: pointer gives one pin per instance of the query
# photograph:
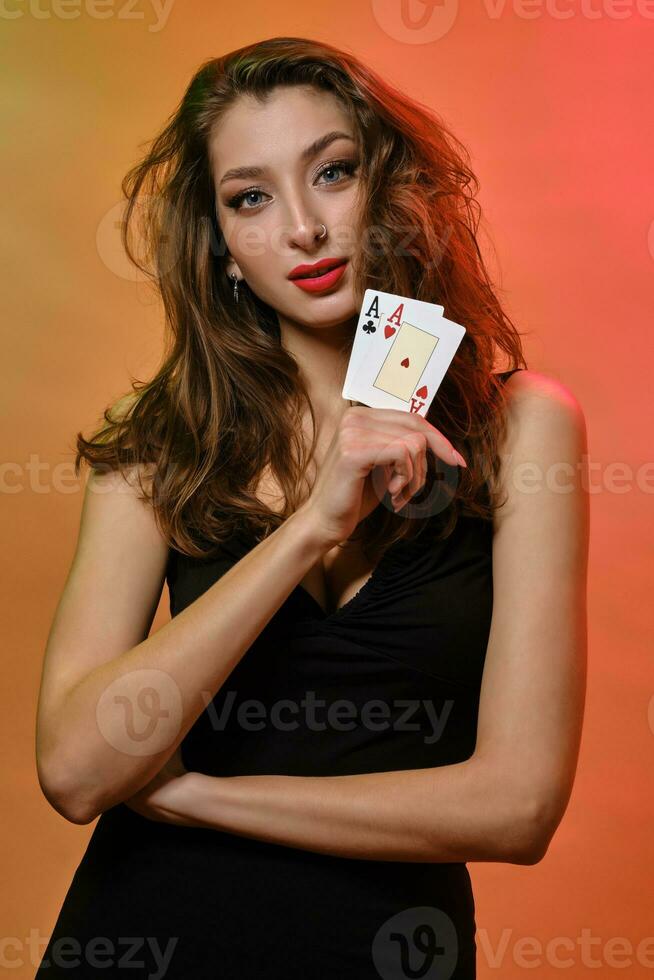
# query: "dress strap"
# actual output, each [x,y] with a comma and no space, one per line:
[505,375]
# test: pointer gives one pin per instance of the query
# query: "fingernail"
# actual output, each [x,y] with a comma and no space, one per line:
[459,458]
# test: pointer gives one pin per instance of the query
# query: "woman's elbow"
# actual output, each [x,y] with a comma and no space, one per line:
[63,796]
[532,840]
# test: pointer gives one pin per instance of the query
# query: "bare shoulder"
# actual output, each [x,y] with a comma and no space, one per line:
[537,400]
[122,494]
[543,455]
[134,478]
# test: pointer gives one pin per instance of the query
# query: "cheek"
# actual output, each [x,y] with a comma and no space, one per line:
[229,228]
[253,242]
[344,218]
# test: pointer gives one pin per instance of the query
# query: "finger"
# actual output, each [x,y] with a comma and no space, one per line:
[416,442]
[406,481]
[403,497]
[418,446]
[395,484]
[401,489]
[397,454]
[437,442]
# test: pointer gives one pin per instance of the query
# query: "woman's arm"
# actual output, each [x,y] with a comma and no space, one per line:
[505,802]
[93,748]
[108,720]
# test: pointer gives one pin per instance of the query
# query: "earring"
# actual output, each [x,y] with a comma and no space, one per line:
[234,279]
[322,235]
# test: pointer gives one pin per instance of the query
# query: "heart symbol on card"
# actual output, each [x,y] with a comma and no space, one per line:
[422,392]
[405,362]
[388,331]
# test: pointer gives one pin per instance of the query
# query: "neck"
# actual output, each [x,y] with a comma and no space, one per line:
[322,355]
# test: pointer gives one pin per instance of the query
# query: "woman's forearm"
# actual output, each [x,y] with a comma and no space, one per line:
[171,676]
[453,813]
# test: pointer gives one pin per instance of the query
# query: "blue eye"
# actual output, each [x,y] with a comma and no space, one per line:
[348,166]
[249,194]
[335,166]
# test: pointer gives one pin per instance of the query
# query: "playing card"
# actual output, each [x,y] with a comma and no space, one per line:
[405,369]
[377,311]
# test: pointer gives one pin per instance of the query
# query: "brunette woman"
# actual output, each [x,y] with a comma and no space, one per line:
[375,668]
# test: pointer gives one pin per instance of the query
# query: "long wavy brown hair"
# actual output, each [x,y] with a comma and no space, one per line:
[228,399]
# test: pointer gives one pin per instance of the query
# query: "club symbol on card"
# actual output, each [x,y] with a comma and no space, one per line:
[369,326]
[405,362]
[388,331]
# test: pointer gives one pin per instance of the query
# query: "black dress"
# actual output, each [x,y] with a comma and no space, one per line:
[390,681]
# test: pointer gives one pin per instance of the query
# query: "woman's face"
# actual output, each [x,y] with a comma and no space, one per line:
[272,219]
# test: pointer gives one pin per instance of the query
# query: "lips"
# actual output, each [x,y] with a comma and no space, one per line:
[325,281]
[316,270]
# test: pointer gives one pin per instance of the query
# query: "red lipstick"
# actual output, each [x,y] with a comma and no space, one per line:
[305,276]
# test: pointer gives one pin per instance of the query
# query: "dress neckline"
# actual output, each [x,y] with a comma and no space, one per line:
[361,593]
[325,616]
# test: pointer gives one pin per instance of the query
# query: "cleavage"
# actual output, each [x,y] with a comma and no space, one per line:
[337,577]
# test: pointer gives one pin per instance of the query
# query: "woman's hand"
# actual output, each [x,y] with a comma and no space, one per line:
[166,797]
[373,450]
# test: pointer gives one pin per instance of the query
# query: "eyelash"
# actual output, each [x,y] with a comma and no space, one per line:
[349,166]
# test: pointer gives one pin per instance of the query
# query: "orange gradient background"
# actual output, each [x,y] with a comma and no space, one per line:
[556,112]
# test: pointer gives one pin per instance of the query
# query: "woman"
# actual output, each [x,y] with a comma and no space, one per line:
[292,774]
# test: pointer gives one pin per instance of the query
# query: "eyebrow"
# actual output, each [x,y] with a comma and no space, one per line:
[307,153]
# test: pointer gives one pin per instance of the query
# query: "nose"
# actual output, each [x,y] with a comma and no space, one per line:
[306,233]
[304,227]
